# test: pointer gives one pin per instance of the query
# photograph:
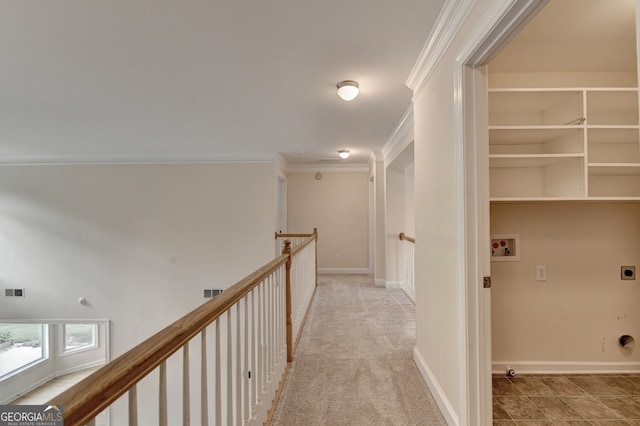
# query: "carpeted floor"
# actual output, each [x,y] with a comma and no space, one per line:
[354,363]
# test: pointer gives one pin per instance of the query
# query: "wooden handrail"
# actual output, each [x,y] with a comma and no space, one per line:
[404,237]
[299,247]
[281,235]
[91,396]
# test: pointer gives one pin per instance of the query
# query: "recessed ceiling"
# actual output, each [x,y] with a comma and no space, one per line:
[574,35]
[88,80]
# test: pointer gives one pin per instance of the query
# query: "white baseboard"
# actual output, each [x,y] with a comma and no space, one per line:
[436,391]
[564,367]
[346,271]
[28,389]
[394,285]
[81,367]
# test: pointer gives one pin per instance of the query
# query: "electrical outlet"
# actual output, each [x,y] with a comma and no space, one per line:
[627,272]
[541,272]
[338,256]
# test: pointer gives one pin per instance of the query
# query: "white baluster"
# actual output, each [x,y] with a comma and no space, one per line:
[204,397]
[162,397]
[218,379]
[262,340]
[254,347]
[186,413]
[238,364]
[245,356]
[229,371]
[133,406]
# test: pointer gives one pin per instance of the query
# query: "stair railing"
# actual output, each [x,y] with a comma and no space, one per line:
[294,238]
[232,351]
[408,245]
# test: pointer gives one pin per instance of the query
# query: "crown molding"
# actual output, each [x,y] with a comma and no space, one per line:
[451,18]
[400,133]
[42,160]
[327,168]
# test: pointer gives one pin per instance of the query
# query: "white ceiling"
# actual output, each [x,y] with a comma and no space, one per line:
[169,80]
[574,35]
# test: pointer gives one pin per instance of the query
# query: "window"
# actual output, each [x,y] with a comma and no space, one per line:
[79,336]
[21,345]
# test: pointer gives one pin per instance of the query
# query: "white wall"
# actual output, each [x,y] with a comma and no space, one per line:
[572,321]
[409,200]
[440,241]
[395,223]
[337,204]
[138,242]
[400,203]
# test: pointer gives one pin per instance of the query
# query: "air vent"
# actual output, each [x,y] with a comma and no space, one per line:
[14,292]
[210,293]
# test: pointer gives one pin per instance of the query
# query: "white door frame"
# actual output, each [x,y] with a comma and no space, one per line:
[501,22]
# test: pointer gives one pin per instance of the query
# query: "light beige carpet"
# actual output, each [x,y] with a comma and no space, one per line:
[354,363]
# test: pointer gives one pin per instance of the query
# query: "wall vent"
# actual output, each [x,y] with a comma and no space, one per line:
[14,292]
[210,293]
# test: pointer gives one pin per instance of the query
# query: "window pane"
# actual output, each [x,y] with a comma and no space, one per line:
[20,345]
[77,336]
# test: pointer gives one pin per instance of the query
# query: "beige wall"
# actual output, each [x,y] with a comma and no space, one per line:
[337,204]
[380,222]
[573,320]
[138,242]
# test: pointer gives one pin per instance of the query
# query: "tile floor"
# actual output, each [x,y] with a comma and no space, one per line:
[566,400]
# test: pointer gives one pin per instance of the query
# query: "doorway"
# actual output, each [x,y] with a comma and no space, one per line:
[471,81]
[564,189]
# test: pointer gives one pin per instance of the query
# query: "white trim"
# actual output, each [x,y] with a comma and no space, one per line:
[380,282]
[496,27]
[346,271]
[327,168]
[394,285]
[404,128]
[81,367]
[566,367]
[281,165]
[54,321]
[62,340]
[451,18]
[29,388]
[140,159]
[436,391]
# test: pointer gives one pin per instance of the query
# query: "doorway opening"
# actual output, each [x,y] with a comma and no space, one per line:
[564,177]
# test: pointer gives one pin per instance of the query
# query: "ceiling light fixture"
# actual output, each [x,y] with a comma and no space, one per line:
[348,90]
[344,153]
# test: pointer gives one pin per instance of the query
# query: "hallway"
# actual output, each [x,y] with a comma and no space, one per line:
[354,363]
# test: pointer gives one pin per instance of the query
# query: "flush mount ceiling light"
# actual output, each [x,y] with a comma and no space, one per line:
[348,90]
[344,153]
